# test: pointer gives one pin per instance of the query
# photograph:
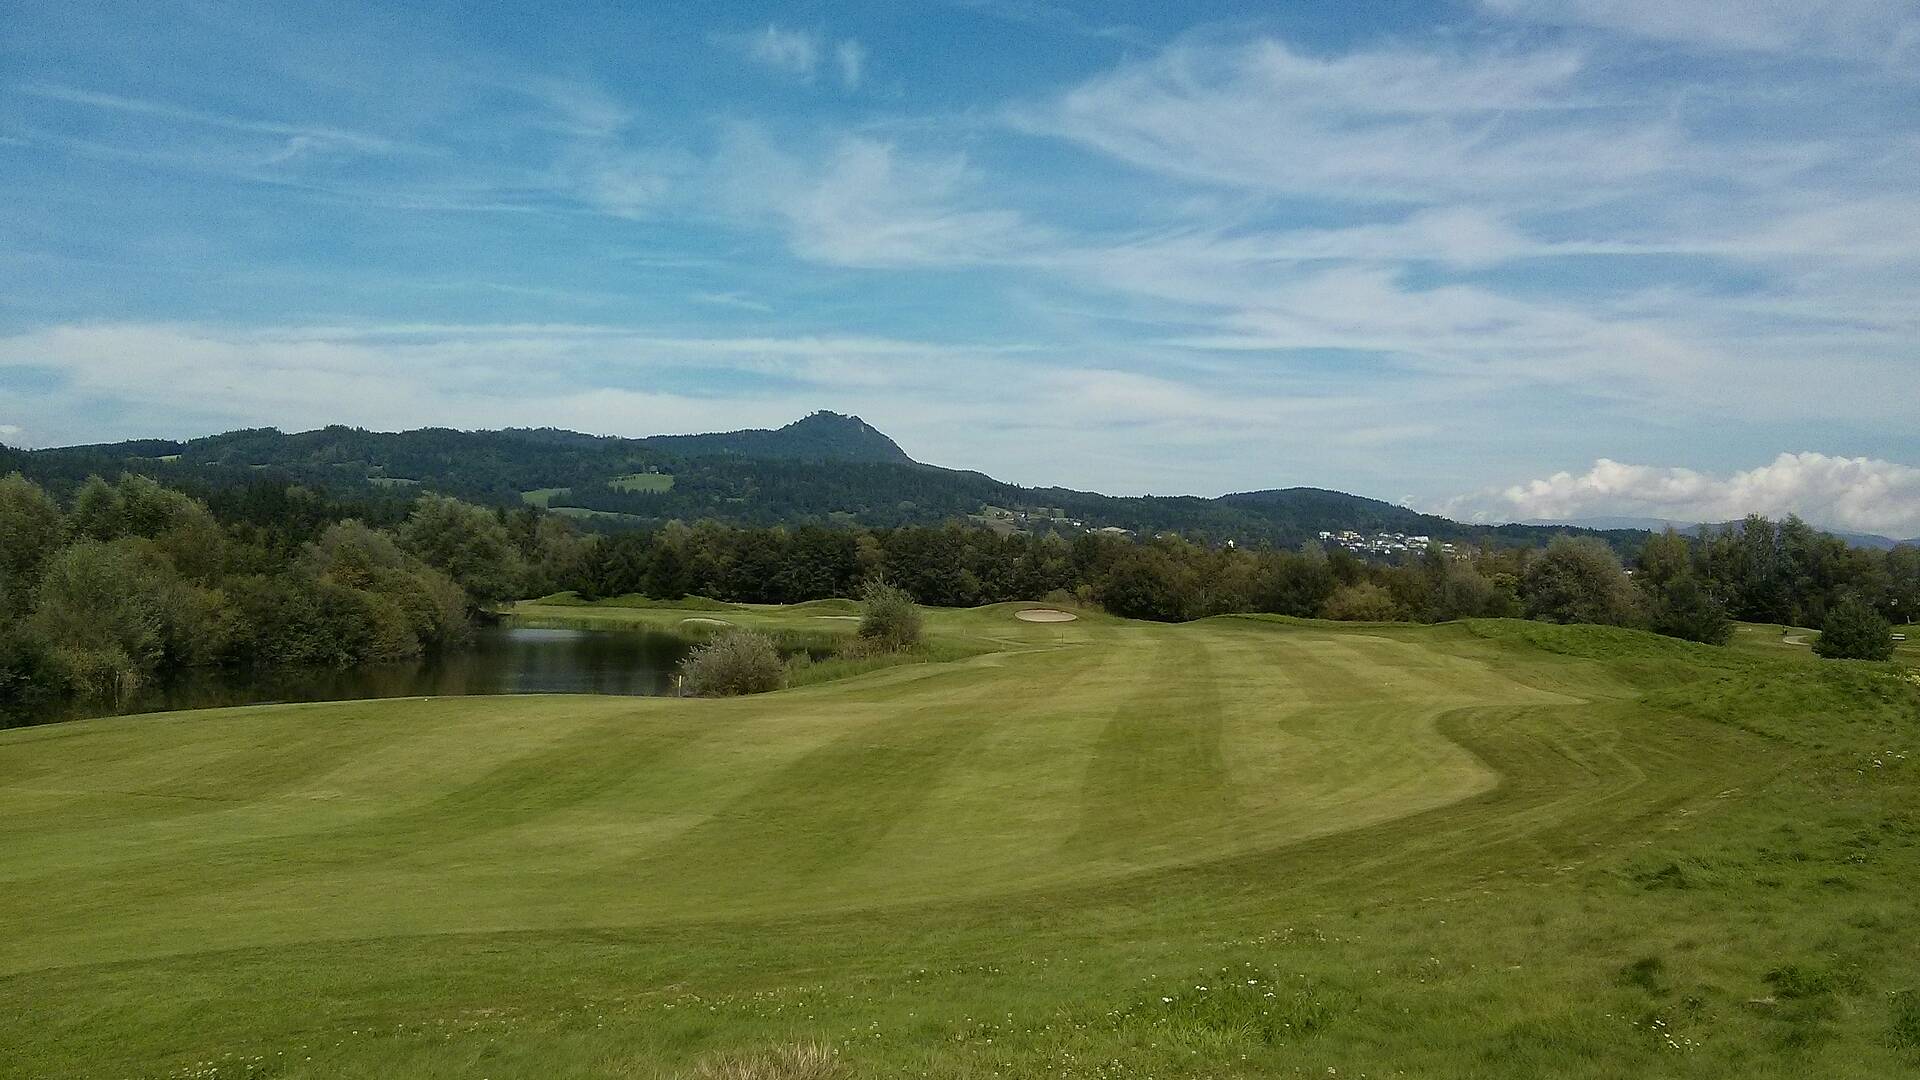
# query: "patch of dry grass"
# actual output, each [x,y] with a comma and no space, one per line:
[794,1061]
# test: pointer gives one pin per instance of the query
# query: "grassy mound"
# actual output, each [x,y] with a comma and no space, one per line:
[633,601]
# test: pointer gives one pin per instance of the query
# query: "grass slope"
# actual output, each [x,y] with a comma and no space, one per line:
[1242,847]
[642,482]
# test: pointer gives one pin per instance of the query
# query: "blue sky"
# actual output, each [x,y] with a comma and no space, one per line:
[1504,258]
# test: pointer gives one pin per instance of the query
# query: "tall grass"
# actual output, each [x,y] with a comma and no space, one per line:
[796,1061]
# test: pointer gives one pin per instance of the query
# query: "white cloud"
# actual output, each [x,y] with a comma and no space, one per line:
[621,182]
[795,52]
[851,58]
[801,54]
[1857,494]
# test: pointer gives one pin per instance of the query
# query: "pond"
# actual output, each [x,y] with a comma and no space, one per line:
[504,659]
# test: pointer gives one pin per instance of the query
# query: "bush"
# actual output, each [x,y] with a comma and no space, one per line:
[1681,608]
[1855,631]
[888,618]
[736,662]
[1364,602]
[1464,593]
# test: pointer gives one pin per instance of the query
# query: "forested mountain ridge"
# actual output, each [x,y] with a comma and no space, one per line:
[823,436]
[753,477]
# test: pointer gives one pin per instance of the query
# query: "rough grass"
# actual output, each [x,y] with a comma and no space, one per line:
[1236,848]
[618,603]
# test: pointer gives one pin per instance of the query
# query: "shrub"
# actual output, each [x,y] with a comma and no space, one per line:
[1682,608]
[1364,602]
[1855,631]
[736,662]
[888,618]
[1464,593]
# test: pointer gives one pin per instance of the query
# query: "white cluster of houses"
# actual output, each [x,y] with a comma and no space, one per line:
[1381,543]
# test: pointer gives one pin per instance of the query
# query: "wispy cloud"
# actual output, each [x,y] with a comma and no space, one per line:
[1876,30]
[1053,16]
[1392,124]
[578,108]
[851,58]
[733,300]
[312,135]
[865,202]
[796,52]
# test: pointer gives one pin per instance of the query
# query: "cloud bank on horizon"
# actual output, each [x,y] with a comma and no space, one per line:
[1123,246]
[1853,494]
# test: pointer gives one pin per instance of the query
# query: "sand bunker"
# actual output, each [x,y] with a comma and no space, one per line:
[1044,614]
[706,622]
[854,618]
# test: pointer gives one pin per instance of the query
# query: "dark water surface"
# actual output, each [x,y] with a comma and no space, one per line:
[503,659]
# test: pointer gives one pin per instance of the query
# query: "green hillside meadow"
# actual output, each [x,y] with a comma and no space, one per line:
[1242,847]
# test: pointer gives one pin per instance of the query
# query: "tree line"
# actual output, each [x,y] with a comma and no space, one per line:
[1690,587]
[123,580]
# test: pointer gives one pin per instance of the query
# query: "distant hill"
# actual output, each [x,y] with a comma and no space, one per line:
[821,436]
[751,477]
